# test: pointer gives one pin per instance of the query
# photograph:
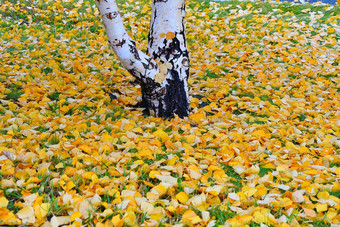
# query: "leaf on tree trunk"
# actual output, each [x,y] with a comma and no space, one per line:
[160,77]
[170,35]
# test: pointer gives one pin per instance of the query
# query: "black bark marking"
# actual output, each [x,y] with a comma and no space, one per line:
[134,73]
[111,15]
[171,50]
[134,51]
[150,35]
[176,97]
[118,43]
[151,66]
[185,62]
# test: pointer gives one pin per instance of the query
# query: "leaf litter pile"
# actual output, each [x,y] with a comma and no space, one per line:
[261,146]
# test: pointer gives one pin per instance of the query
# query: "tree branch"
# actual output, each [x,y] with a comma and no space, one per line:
[135,61]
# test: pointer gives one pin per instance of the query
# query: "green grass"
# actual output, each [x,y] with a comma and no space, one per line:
[221,215]
[41,129]
[211,75]
[12,197]
[264,171]
[15,92]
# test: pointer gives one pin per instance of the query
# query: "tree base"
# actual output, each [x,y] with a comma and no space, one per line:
[167,101]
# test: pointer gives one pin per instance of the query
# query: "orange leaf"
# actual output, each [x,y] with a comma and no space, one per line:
[170,35]
[8,218]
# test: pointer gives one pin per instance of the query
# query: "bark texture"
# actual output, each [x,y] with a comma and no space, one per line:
[164,84]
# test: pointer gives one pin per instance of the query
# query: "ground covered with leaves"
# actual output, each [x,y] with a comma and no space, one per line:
[261,146]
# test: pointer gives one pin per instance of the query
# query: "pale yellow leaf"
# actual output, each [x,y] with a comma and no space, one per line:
[3,202]
[60,220]
[160,77]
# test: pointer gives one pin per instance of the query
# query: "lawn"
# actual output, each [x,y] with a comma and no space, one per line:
[260,148]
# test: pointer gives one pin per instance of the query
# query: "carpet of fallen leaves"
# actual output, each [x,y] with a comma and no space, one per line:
[261,146]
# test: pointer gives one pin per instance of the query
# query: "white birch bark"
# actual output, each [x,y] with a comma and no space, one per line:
[135,61]
[167,42]
[164,86]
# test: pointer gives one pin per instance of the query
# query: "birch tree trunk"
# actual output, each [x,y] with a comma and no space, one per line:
[162,74]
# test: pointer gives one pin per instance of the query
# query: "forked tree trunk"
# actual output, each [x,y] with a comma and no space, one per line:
[162,74]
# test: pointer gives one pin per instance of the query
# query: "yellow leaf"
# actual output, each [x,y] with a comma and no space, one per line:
[269,166]
[311,172]
[249,191]
[75,215]
[153,172]
[198,117]
[291,145]
[129,218]
[190,217]
[161,135]
[70,185]
[259,217]
[156,213]
[194,172]
[323,195]
[99,224]
[303,150]
[85,148]
[160,189]
[116,220]
[337,171]
[331,214]
[336,187]
[42,210]
[107,212]
[3,202]
[60,165]
[146,153]
[321,207]
[182,197]
[257,99]
[191,139]
[258,133]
